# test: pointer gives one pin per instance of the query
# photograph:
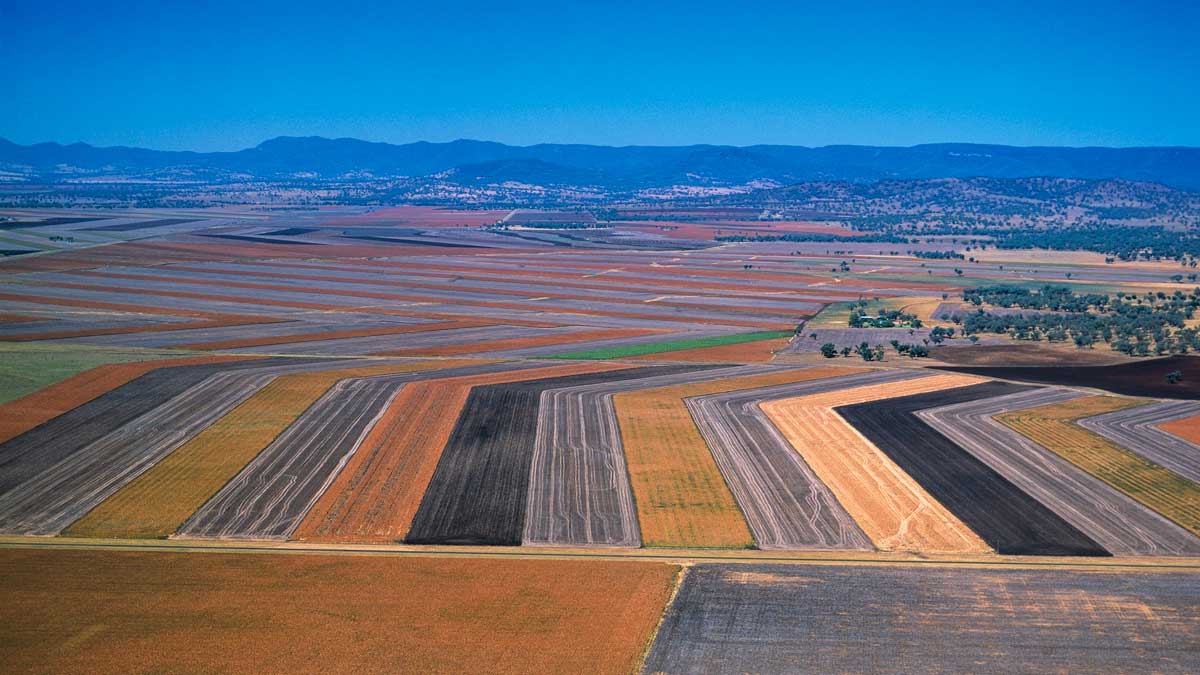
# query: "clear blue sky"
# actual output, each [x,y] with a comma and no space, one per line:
[222,76]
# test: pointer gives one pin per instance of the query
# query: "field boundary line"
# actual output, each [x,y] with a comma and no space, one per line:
[675,557]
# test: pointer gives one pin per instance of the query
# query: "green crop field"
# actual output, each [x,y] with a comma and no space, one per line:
[674,345]
[26,368]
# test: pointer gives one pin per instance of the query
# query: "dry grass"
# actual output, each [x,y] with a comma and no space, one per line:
[376,495]
[890,507]
[157,502]
[1160,489]
[141,612]
[682,498]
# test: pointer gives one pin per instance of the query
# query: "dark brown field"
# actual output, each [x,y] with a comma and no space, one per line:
[1136,378]
[830,619]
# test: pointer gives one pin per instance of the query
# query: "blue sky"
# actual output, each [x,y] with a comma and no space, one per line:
[223,76]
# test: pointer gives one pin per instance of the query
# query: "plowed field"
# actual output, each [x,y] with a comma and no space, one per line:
[891,508]
[1164,491]
[682,499]
[159,500]
[377,493]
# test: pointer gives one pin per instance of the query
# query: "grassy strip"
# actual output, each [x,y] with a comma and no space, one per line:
[1158,488]
[673,345]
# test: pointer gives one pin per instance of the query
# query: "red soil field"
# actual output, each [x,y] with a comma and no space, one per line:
[19,318]
[709,231]
[520,343]
[421,216]
[255,250]
[333,335]
[141,612]
[208,319]
[634,284]
[454,287]
[1187,428]
[378,296]
[377,493]
[248,301]
[405,285]
[27,412]
[114,255]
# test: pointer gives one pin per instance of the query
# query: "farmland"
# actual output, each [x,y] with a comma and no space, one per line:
[682,497]
[893,509]
[297,612]
[734,619]
[1119,524]
[1158,488]
[405,439]
[1005,517]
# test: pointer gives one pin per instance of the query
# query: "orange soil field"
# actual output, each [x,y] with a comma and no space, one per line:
[142,612]
[377,493]
[333,335]
[796,280]
[249,301]
[125,253]
[562,279]
[19,318]
[890,507]
[707,231]
[157,502]
[453,287]
[365,294]
[671,270]
[672,230]
[759,351]
[1187,428]
[521,343]
[421,216]
[256,250]
[207,319]
[682,499]
[1158,488]
[27,412]
[555,277]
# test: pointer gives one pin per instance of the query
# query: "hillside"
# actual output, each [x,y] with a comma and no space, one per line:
[630,167]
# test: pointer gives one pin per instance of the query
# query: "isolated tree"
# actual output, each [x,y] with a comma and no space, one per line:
[829,350]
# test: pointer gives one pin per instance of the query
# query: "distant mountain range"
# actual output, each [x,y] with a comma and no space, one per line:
[469,162]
